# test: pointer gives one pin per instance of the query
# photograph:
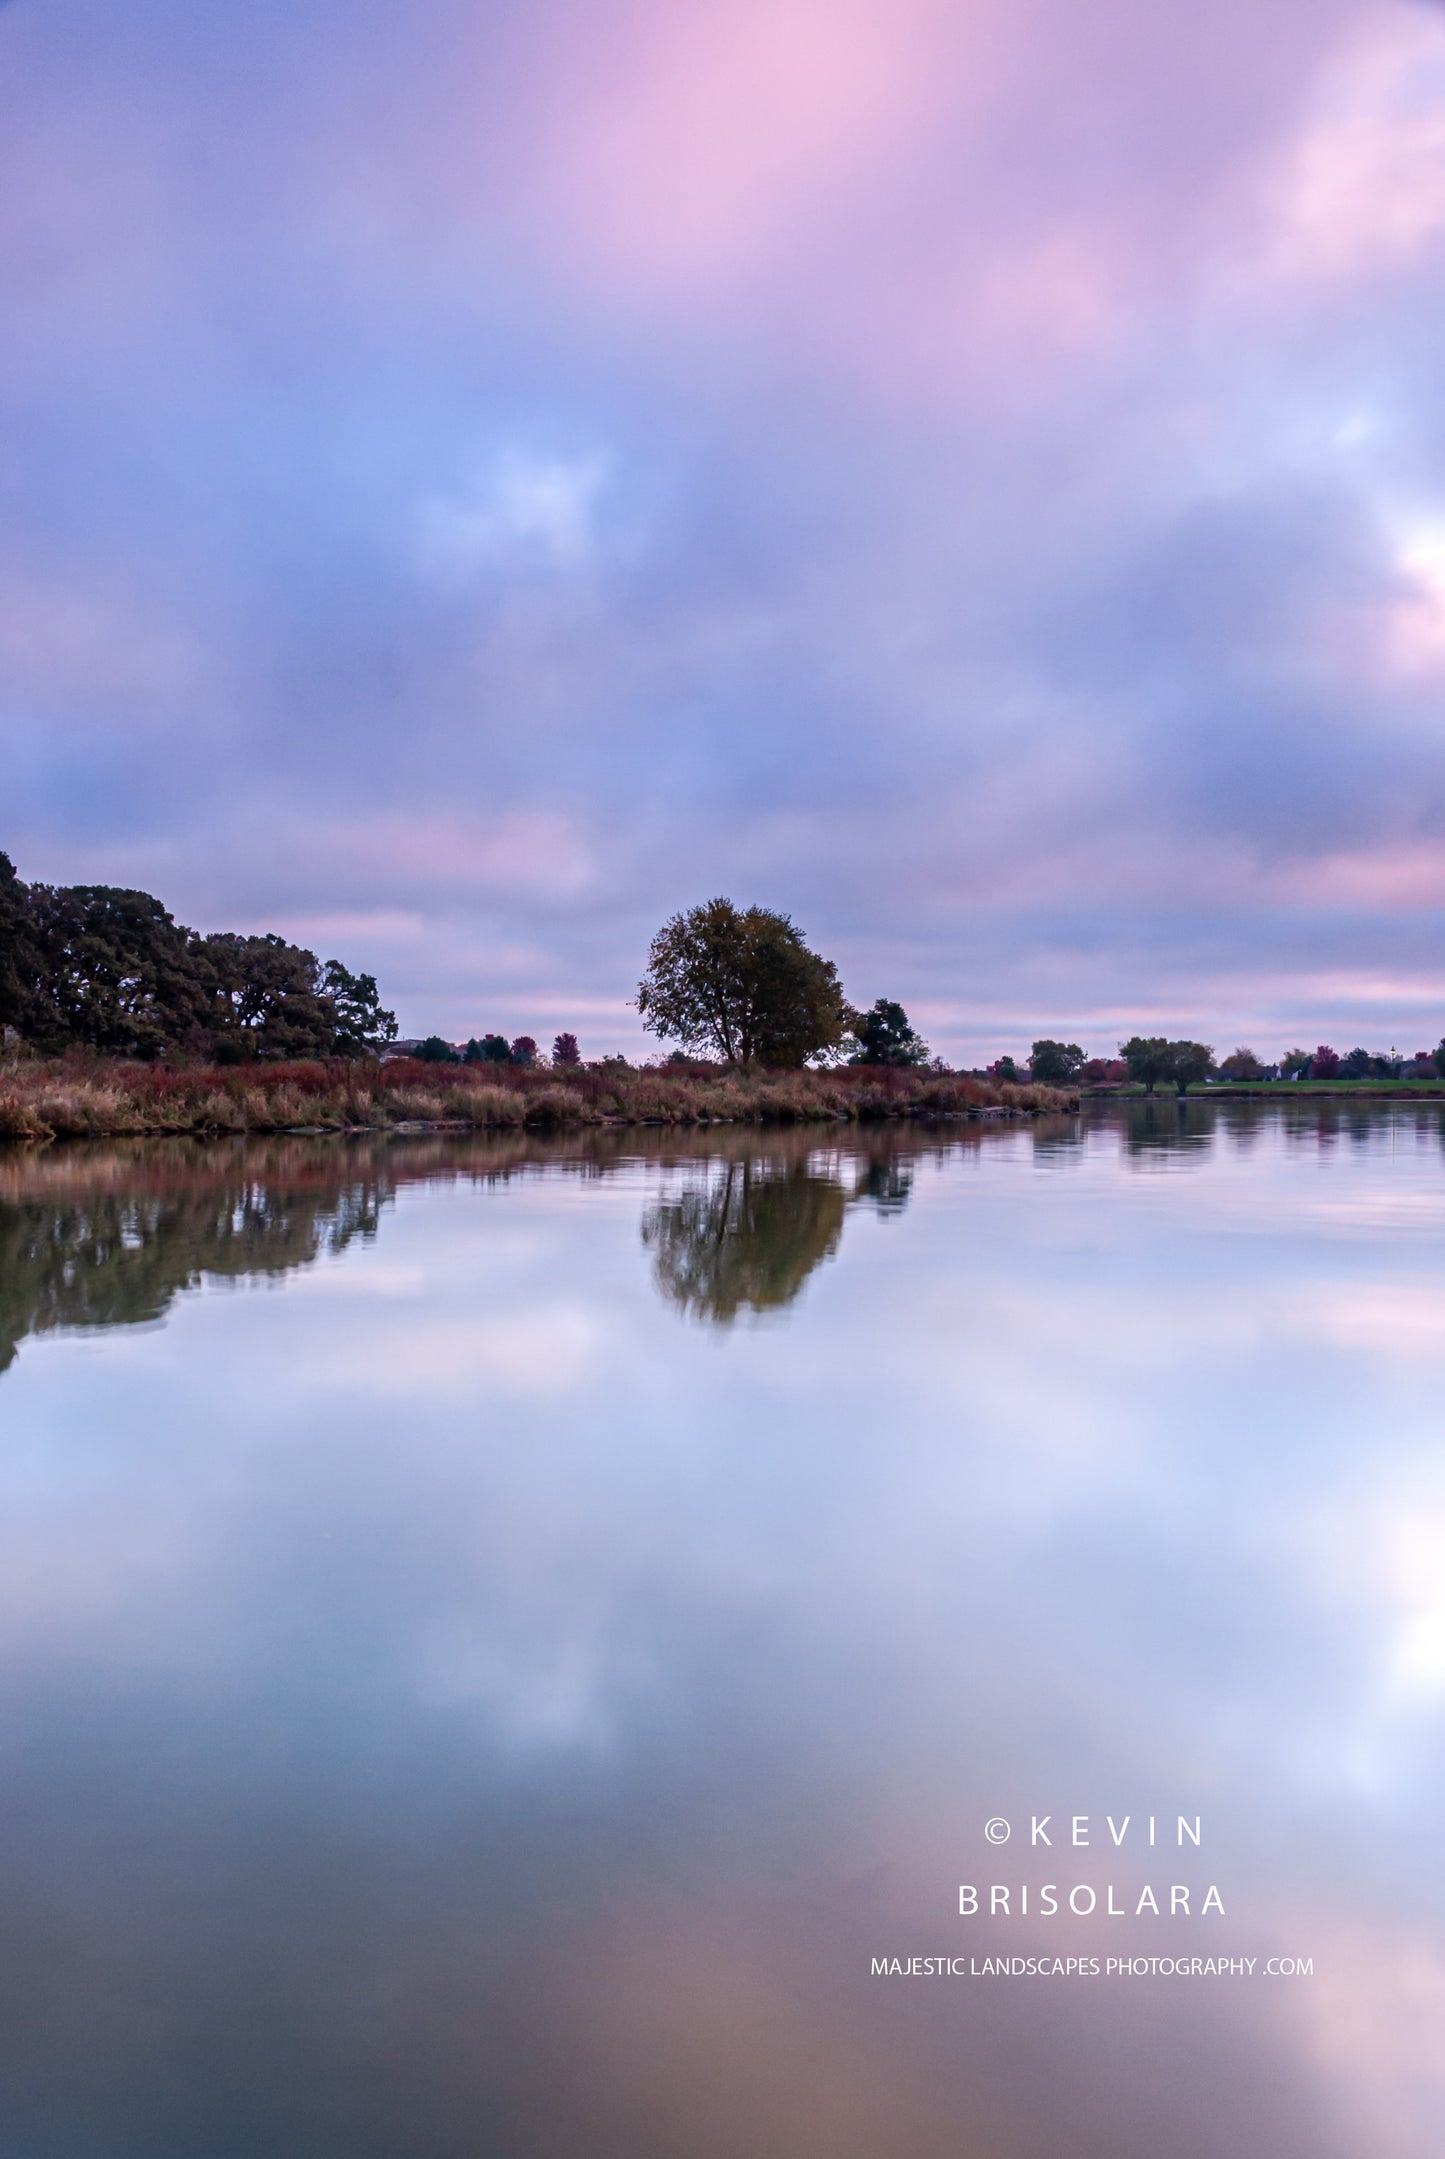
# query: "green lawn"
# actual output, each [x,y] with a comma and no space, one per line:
[1340,1087]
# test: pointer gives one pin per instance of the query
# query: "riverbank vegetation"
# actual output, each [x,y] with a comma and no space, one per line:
[116,1019]
[94,1097]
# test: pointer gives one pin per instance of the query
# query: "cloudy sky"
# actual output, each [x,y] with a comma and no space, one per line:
[477,477]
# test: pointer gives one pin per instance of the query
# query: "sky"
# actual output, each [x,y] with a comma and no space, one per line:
[476,478]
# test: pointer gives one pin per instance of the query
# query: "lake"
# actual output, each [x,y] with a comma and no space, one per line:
[510,1648]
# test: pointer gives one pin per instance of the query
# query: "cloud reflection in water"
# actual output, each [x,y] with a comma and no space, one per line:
[528,1753]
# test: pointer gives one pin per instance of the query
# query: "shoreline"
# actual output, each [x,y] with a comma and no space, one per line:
[107,1099]
[1279,1090]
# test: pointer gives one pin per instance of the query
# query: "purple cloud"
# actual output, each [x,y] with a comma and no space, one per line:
[971,476]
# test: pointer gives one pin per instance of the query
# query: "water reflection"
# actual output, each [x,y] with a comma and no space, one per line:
[747,1238]
[109,1238]
[449,1707]
[110,1235]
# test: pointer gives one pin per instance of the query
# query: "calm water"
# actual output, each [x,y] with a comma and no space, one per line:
[493,1642]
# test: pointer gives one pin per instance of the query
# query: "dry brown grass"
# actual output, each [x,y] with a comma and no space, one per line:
[95,1098]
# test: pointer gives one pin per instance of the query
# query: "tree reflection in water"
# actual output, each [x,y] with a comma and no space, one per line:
[111,1238]
[748,1239]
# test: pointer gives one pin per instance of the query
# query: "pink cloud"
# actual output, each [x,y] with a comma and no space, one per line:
[1359,188]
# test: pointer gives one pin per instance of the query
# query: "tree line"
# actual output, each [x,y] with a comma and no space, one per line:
[104,968]
[1151,1061]
[497,1050]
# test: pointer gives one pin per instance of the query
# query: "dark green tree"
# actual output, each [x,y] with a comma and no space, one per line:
[360,1023]
[1056,1063]
[491,1050]
[434,1051]
[117,972]
[1147,1057]
[268,995]
[1188,1062]
[19,954]
[884,1037]
[107,968]
[741,984]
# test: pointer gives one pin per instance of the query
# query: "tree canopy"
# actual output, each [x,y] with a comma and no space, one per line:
[741,984]
[1056,1063]
[19,958]
[107,968]
[884,1037]
[1151,1058]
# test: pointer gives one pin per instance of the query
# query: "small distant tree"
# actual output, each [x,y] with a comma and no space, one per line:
[524,1051]
[490,1050]
[1188,1062]
[884,1037]
[742,984]
[1325,1063]
[1241,1064]
[1004,1068]
[433,1051]
[565,1052]
[1056,1063]
[1357,1065]
[1295,1064]
[1147,1057]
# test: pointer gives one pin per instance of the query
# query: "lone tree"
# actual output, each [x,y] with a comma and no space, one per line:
[1056,1063]
[884,1037]
[741,984]
[1189,1061]
[565,1052]
[1147,1057]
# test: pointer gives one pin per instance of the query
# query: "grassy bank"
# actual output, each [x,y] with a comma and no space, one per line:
[99,1098]
[1382,1090]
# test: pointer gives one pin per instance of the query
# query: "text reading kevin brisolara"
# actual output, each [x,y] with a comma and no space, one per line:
[1093,1967]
